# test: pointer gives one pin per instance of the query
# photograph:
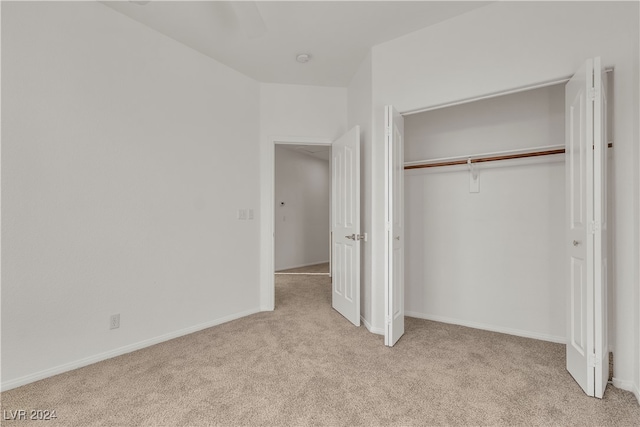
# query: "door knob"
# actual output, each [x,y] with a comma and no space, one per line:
[576,243]
[397,237]
[355,237]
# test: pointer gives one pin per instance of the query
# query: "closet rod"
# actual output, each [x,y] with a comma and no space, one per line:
[489,158]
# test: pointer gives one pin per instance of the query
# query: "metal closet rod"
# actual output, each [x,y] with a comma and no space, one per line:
[486,158]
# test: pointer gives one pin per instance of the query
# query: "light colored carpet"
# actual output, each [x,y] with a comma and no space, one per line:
[309,269]
[303,364]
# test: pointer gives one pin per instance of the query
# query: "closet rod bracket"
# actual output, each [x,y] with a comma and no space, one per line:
[474,181]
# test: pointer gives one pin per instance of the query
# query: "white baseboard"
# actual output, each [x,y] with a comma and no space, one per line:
[624,385]
[301,265]
[487,327]
[628,386]
[8,385]
[370,328]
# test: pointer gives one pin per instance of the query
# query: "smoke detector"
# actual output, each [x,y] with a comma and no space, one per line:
[303,58]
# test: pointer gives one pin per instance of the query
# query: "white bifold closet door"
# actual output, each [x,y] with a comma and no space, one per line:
[586,152]
[345,225]
[394,218]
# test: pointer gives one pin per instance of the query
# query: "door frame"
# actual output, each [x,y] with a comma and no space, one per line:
[267,217]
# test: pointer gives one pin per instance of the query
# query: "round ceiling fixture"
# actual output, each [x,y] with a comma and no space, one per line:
[303,58]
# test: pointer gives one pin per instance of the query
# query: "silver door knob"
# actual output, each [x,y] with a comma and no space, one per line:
[352,237]
[397,237]
[576,243]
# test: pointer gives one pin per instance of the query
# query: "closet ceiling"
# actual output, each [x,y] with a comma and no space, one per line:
[337,34]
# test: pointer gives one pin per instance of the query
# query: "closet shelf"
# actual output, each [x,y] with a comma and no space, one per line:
[490,157]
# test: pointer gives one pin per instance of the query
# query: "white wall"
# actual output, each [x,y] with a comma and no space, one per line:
[493,259]
[302,183]
[360,113]
[500,47]
[533,118]
[125,157]
[295,114]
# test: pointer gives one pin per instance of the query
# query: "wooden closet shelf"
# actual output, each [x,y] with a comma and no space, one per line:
[490,158]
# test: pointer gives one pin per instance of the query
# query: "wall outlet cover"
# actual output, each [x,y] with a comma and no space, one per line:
[114,321]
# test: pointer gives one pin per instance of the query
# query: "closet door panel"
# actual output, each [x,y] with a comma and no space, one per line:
[394,217]
[586,147]
[579,243]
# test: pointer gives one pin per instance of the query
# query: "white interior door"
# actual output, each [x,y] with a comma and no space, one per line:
[394,217]
[345,225]
[586,229]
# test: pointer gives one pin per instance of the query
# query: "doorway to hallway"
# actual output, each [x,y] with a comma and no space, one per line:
[302,188]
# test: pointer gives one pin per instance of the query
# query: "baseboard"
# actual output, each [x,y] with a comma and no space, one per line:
[487,327]
[302,265]
[370,328]
[8,385]
[628,386]
[624,385]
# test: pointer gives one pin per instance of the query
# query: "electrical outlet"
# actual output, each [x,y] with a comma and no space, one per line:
[242,214]
[114,321]
[250,214]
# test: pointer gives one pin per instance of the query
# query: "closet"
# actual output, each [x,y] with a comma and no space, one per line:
[486,203]
[488,252]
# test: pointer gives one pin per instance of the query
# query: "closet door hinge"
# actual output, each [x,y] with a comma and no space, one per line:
[594,227]
[593,361]
[387,320]
[593,93]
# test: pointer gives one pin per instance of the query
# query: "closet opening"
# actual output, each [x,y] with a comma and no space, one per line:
[485,215]
[491,203]
[484,240]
